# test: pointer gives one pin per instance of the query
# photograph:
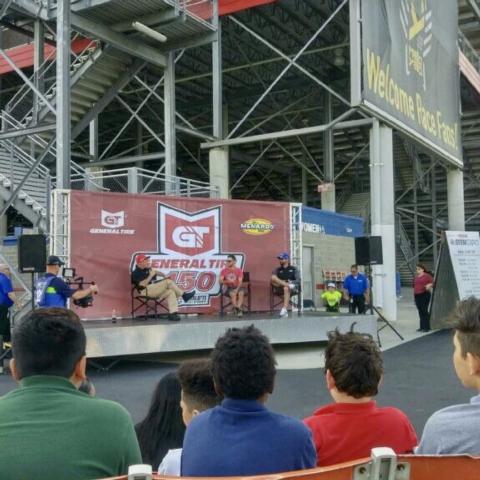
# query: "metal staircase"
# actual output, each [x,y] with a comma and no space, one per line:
[357,205]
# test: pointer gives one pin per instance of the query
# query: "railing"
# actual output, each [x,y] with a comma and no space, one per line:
[468,50]
[139,180]
[404,243]
[420,178]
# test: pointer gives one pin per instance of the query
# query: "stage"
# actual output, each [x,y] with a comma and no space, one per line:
[109,338]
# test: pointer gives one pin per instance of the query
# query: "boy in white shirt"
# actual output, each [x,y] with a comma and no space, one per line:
[198,394]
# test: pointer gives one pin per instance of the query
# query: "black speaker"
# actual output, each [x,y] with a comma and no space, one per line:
[368,251]
[32,253]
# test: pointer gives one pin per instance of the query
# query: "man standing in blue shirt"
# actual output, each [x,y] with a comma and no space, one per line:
[53,291]
[356,290]
[241,436]
[7,299]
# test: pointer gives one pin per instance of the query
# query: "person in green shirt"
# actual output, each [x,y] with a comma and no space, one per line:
[332,298]
[48,429]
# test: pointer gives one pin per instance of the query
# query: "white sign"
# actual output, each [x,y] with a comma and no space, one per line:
[464,250]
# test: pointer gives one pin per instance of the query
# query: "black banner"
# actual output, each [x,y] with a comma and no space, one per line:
[410,73]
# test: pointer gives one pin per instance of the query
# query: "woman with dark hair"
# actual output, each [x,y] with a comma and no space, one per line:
[422,286]
[163,428]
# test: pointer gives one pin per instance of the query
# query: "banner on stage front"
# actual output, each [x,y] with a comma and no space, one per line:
[187,239]
[404,59]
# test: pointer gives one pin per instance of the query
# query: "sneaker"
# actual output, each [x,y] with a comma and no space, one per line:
[291,286]
[284,312]
[174,317]
[188,296]
[239,312]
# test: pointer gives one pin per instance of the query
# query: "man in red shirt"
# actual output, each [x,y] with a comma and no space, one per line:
[349,428]
[231,278]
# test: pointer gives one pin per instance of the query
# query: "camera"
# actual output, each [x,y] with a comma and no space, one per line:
[70,276]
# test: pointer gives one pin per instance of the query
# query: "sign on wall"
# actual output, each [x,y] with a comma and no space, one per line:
[405,68]
[187,239]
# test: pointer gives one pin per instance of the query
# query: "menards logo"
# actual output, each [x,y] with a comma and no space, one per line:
[256,226]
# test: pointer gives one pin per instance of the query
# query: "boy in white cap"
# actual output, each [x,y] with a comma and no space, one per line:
[331,297]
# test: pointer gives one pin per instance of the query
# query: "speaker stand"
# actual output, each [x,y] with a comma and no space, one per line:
[381,319]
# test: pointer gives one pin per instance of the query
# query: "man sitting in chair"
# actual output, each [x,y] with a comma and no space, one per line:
[285,280]
[231,278]
[145,280]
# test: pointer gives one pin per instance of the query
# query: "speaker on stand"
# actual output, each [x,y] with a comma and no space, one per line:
[32,257]
[369,252]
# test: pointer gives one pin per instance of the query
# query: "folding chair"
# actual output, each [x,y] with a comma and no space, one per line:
[225,301]
[276,297]
[141,300]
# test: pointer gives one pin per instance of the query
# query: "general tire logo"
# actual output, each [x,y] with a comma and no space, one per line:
[189,251]
[416,20]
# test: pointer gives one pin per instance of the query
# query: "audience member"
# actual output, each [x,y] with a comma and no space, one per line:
[162,429]
[349,428]
[454,430]
[198,394]
[422,286]
[63,433]
[241,436]
[7,300]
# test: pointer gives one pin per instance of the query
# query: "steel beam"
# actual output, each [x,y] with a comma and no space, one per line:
[169,121]
[63,94]
[38,61]
[128,159]
[150,20]
[328,198]
[121,42]
[336,124]
[27,131]
[4,8]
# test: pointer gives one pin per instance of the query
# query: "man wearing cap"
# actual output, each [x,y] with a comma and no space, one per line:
[52,291]
[286,281]
[332,297]
[143,277]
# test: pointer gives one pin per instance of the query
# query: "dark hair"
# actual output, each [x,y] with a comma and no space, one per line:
[355,362]
[162,429]
[465,319]
[354,266]
[423,267]
[196,381]
[233,257]
[243,363]
[48,341]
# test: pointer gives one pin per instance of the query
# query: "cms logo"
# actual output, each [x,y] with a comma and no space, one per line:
[190,236]
[113,220]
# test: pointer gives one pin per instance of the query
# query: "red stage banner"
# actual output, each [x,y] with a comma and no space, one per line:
[227,7]
[187,239]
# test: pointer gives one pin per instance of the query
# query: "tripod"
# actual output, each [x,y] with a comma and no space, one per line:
[381,319]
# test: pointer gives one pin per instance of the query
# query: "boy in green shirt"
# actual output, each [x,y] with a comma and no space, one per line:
[332,298]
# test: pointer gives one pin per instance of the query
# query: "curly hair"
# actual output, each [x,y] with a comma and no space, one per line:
[465,319]
[197,385]
[243,364]
[355,362]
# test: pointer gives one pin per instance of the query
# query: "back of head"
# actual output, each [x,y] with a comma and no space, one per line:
[466,321]
[162,429]
[197,385]
[48,341]
[355,362]
[243,364]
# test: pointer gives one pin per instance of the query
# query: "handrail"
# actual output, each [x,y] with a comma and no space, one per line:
[468,50]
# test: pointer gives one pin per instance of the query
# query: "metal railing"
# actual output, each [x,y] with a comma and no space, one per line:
[468,50]
[404,244]
[139,180]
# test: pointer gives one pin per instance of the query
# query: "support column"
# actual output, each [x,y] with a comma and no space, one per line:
[219,162]
[328,198]
[383,216]
[63,94]
[38,59]
[456,203]
[433,189]
[3,221]
[93,152]
[305,188]
[169,114]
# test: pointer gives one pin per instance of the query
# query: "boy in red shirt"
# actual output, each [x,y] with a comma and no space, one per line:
[349,428]
[231,277]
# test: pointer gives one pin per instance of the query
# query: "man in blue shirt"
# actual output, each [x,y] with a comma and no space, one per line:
[7,299]
[241,436]
[53,291]
[356,290]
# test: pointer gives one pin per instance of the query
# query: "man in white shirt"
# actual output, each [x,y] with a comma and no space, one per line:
[198,394]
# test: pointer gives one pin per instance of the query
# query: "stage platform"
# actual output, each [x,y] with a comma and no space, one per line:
[108,338]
